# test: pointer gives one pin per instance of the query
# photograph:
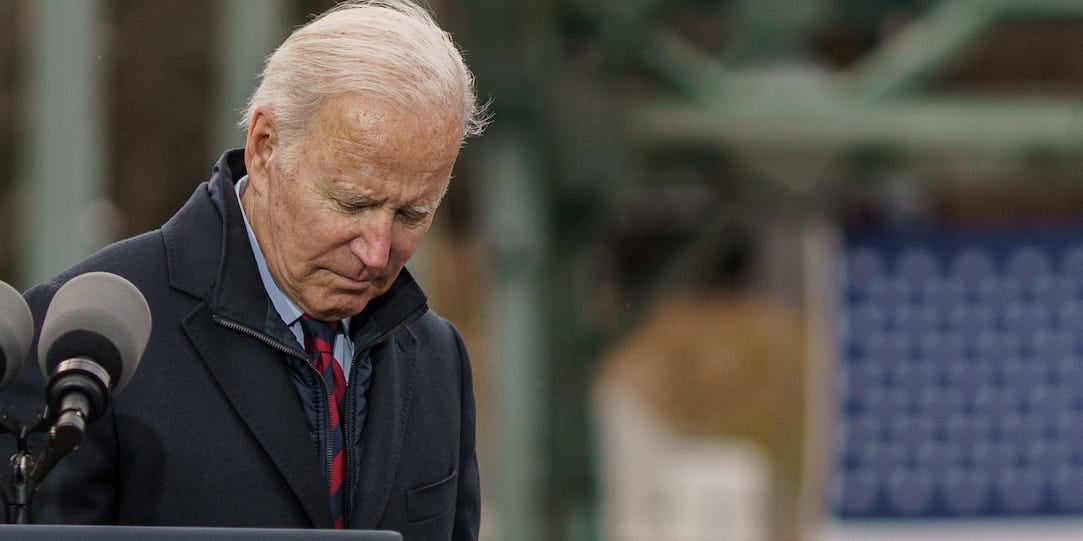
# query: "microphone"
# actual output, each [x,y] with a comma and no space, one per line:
[94,334]
[16,330]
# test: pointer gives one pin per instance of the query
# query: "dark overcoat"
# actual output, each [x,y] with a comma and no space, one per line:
[212,429]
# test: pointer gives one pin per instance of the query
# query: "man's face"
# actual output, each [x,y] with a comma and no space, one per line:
[338,224]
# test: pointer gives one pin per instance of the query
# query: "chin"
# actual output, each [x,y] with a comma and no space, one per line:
[334,314]
[349,307]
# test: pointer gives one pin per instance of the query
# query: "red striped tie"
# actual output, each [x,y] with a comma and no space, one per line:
[320,345]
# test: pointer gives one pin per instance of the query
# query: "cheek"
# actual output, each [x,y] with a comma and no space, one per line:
[297,232]
[320,240]
[284,211]
[304,230]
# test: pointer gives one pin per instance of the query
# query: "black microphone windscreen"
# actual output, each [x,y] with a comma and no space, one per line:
[100,316]
[16,331]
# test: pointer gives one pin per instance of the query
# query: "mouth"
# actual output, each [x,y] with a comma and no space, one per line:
[351,281]
[358,282]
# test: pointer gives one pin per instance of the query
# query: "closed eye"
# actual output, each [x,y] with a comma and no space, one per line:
[356,205]
[412,217]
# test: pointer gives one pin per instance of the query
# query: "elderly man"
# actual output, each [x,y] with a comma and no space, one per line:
[295,376]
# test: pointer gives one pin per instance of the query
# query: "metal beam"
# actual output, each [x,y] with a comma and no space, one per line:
[771,31]
[251,31]
[63,166]
[906,61]
[514,210]
[923,126]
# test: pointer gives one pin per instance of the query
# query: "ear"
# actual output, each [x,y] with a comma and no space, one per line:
[260,146]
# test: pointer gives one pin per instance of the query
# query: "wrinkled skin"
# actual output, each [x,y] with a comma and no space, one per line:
[339,222]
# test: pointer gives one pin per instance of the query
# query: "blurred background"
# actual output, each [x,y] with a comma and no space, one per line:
[728,269]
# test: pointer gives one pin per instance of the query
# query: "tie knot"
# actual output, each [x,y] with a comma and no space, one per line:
[319,335]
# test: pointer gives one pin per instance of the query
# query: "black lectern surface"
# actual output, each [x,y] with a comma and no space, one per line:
[42,532]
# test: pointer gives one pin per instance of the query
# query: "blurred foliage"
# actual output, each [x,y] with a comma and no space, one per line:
[745,382]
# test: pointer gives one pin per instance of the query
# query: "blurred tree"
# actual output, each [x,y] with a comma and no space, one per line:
[8,54]
[161,101]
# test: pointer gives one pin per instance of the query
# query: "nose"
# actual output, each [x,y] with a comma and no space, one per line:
[372,244]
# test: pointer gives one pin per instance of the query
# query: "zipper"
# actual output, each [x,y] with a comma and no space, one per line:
[293,352]
[319,377]
[346,445]
[347,406]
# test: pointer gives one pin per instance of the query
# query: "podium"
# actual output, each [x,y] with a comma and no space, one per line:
[43,532]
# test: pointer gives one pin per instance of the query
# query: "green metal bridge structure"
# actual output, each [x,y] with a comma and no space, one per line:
[570,140]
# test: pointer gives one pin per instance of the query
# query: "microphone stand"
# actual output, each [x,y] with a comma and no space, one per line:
[27,472]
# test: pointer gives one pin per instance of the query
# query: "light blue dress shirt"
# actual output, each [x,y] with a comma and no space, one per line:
[290,312]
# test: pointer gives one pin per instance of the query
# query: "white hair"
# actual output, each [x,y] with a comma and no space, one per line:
[389,50]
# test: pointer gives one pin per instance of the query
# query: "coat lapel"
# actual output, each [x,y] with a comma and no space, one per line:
[389,398]
[248,372]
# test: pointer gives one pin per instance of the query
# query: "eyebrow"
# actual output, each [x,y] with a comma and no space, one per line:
[424,209]
[430,208]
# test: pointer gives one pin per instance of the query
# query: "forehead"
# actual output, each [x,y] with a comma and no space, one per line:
[352,131]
